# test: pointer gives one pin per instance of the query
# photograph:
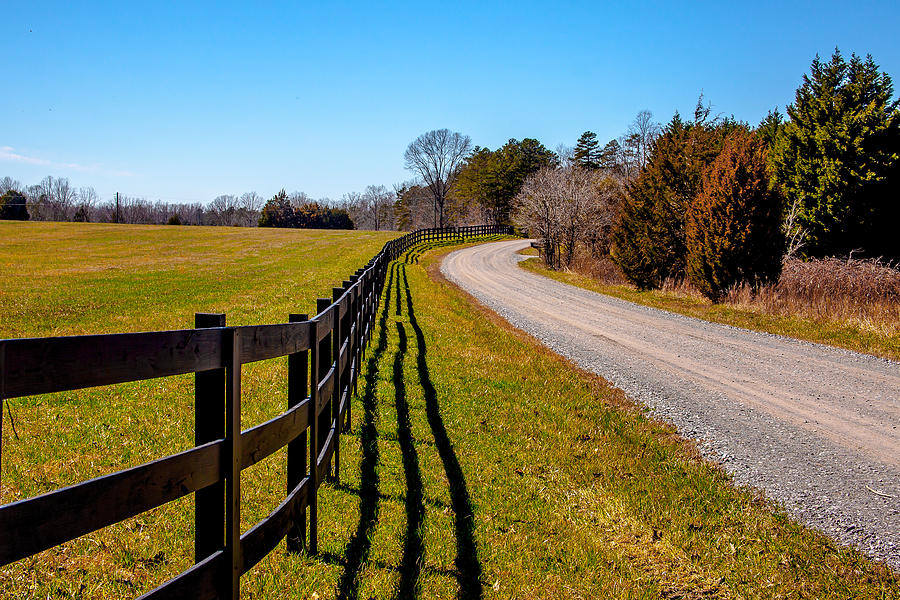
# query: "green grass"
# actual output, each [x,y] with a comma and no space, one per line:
[67,278]
[71,278]
[479,465]
[832,333]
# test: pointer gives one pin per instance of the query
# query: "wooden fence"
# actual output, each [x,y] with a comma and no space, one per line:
[324,354]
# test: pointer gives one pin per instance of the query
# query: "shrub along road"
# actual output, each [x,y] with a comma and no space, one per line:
[813,426]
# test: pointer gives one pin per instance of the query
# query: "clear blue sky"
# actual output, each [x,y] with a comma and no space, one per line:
[186,101]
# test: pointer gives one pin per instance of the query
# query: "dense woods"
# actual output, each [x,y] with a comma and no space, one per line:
[286,211]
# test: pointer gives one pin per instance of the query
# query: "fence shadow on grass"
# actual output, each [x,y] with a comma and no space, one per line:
[468,567]
[357,551]
[413,544]
[467,564]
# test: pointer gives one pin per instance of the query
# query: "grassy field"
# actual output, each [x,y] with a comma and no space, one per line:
[479,465]
[73,278]
[871,340]
[68,278]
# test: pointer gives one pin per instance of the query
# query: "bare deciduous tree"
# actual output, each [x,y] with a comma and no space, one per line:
[576,199]
[223,210]
[566,154]
[412,208]
[62,199]
[250,206]
[794,234]
[644,130]
[437,156]
[9,184]
[379,202]
[567,206]
[538,209]
[86,200]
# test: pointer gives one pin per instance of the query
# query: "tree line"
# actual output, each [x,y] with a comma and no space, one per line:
[56,199]
[708,198]
[720,202]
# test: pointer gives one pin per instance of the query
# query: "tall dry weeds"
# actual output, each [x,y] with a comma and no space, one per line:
[864,293]
[859,293]
[602,269]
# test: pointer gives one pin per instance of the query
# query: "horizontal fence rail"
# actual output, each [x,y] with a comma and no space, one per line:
[324,356]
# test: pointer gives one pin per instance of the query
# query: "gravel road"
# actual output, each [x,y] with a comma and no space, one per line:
[813,426]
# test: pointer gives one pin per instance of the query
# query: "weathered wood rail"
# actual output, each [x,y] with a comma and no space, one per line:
[324,355]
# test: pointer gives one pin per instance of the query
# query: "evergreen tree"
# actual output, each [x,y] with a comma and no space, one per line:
[587,151]
[733,228]
[277,211]
[770,128]
[839,158]
[492,179]
[649,240]
[13,206]
[609,156]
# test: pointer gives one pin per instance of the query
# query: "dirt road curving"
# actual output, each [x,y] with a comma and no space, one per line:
[816,427]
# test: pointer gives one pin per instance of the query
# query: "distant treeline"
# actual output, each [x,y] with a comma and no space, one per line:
[55,199]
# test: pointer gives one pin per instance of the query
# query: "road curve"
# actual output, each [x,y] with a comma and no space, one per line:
[814,426]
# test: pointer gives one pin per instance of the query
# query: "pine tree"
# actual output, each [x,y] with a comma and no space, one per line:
[277,211]
[609,156]
[839,158]
[770,128]
[733,228]
[492,179]
[13,206]
[649,240]
[587,151]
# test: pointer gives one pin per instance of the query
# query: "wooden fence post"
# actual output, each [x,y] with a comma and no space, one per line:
[209,425]
[357,338]
[298,373]
[313,496]
[337,340]
[233,482]
[325,360]
[349,334]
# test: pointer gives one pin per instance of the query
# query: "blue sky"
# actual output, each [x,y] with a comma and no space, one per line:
[186,101]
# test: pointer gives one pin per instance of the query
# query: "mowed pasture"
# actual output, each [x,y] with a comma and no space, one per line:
[71,279]
[479,464]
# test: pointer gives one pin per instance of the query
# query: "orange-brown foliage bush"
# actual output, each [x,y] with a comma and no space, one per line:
[733,226]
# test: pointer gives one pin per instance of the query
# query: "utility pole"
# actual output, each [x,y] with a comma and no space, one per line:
[117,207]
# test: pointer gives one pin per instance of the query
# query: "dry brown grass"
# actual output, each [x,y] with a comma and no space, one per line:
[859,293]
[863,293]
[602,269]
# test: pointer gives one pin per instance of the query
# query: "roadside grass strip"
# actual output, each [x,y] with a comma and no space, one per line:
[830,332]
